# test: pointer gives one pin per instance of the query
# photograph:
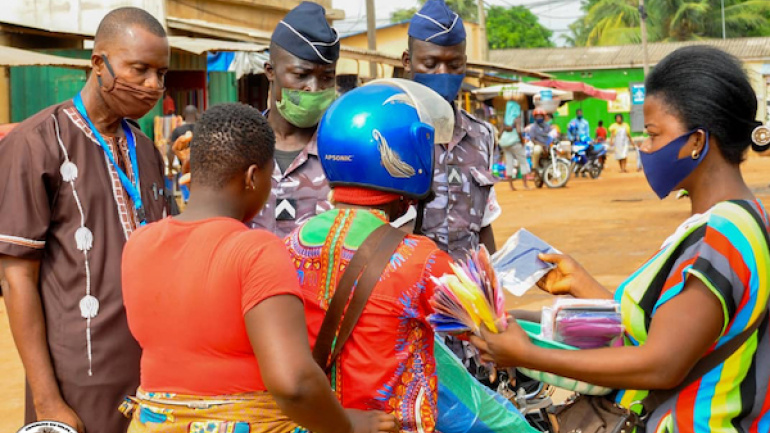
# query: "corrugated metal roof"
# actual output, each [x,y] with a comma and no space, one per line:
[263,37]
[15,57]
[506,69]
[202,45]
[622,56]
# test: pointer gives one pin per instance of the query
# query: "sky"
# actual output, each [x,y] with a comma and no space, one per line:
[556,15]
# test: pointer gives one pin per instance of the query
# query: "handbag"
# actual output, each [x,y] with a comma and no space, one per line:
[508,139]
[592,414]
[366,267]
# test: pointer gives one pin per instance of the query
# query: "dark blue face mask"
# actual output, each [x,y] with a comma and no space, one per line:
[446,85]
[664,169]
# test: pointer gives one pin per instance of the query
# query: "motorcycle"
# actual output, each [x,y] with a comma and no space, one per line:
[588,157]
[554,171]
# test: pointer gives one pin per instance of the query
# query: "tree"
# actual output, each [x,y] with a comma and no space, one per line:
[682,20]
[401,15]
[467,9]
[616,22]
[515,27]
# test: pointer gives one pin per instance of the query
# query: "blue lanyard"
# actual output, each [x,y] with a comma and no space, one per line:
[132,188]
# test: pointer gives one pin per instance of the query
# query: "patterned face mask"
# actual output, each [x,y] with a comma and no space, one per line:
[304,109]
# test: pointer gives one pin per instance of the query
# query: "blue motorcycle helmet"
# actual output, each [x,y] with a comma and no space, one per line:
[381,137]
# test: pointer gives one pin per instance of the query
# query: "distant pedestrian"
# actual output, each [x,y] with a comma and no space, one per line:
[578,127]
[601,132]
[514,154]
[182,149]
[620,138]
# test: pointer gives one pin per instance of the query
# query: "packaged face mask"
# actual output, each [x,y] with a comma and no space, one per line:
[517,266]
[586,323]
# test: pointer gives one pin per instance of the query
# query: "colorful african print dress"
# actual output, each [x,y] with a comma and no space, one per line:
[727,249]
[387,363]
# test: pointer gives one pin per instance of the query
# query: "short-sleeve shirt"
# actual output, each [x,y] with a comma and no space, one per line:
[620,128]
[601,134]
[727,249]
[297,194]
[45,218]
[580,126]
[387,363]
[187,287]
[464,200]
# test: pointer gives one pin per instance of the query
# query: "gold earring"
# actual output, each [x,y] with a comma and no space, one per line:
[695,154]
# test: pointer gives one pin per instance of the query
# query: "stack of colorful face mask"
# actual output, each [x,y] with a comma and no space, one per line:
[469,297]
[583,323]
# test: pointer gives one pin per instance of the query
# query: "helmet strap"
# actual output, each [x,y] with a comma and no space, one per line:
[420,216]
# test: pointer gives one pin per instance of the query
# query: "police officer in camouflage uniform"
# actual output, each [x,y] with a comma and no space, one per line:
[302,71]
[459,216]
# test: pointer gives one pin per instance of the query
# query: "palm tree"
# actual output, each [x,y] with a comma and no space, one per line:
[616,22]
[612,22]
[683,20]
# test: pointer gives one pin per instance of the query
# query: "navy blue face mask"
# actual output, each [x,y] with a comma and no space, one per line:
[664,169]
[446,85]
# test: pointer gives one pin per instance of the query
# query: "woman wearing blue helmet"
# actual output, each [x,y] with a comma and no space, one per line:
[376,147]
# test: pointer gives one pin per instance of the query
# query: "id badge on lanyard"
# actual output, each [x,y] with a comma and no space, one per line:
[132,188]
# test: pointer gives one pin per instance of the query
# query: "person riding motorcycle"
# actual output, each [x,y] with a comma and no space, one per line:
[539,134]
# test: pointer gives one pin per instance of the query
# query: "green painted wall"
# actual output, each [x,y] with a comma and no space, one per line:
[596,109]
[34,88]
[222,88]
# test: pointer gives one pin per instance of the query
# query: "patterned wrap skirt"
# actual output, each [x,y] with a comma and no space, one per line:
[154,412]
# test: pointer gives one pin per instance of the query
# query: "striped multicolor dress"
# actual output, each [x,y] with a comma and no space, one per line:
[727,249]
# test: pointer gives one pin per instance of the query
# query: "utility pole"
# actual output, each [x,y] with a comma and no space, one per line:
[484,49]
[724,30]
[643,17]
[371,35]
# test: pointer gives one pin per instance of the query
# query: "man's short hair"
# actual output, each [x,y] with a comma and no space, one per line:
[227,139]
[116,21]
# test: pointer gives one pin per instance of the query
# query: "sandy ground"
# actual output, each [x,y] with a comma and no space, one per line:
[611,225]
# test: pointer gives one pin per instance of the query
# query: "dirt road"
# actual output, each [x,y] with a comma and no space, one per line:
[611,225]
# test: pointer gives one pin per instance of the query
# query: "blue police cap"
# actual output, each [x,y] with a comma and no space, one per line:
[305,33]
[437,24]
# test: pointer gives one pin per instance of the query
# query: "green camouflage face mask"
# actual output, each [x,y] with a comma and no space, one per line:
[304,109]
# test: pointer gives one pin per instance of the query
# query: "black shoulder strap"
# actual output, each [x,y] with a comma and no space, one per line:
[369,261]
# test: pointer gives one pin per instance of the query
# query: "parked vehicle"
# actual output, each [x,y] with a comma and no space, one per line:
[587,157]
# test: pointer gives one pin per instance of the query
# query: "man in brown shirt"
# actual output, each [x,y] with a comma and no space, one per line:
[75,180]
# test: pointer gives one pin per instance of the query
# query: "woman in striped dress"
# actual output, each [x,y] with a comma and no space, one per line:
[709,281]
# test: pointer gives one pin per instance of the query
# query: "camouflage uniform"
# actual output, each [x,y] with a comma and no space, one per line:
[297,195]
[462,183]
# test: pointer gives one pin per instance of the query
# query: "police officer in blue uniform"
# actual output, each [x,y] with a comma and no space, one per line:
[459,218]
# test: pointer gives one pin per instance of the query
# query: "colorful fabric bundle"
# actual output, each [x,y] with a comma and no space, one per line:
[469,297]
